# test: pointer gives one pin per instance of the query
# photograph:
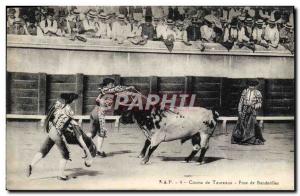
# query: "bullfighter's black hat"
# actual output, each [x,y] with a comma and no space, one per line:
[252,82]
[69,97]
[106,81]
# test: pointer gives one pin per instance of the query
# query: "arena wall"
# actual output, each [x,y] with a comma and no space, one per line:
[54,55]
[33,93]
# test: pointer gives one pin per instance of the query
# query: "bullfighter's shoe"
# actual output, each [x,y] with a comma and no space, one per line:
[101,154]
[63,178]
[28,170]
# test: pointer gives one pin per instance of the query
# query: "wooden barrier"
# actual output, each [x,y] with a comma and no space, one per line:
[35,93]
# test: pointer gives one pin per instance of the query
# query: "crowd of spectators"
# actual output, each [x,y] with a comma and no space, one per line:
[229,26]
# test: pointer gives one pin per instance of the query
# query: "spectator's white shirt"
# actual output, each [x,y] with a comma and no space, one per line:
[169,32]
[242,36]
[207,33]
[104,30]
[160,30]
[272,35]
[257,34]
[136,30]
[120,32]
[49,28]
[89,25]
[233,33]
[181,35]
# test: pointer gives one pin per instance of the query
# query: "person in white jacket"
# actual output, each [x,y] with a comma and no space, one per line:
[272,33]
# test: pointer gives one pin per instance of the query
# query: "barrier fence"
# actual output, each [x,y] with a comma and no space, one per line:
[33,93]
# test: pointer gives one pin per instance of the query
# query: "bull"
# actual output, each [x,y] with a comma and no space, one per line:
[164,125]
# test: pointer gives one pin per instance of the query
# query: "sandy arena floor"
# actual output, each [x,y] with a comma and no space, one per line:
[269,166]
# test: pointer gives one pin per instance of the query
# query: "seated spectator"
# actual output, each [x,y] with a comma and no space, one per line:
[207,32]
[75,25]
[169,32]
[104,31]
[147,28]
[249,28]
[135,36]
[31,28]
[19,27]
[62,24]
[49,25]
[287,37]
[231,34]
[159,28]
[181,34]
[90,26]
[272,33]
[258,34]
[120,29]
[10,20]
[243,38]
[169,35]
[193,31]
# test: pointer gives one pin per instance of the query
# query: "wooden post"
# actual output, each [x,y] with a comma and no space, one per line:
[153,85]
[79,91]
[263,89]
[42,89]
[188,84]
[117,79]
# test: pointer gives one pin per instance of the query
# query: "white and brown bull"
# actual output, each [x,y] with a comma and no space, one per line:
[195,123]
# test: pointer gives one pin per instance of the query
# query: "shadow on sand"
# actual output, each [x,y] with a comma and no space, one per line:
[110,154]
[77,172]
[207,159]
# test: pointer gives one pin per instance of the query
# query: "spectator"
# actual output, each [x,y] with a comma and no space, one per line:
[148,29]
[31,27]
[120,29]
[207,32]
[49,25]
[272,33]
[148,11]
[158,12]
[90,25]
[62,24]
[104,31]
[193,31]
[135,36]
[181,34]
[287,37]
[233,13]
[249,28]
[159,28]
[258,34]
[136,28]
[244,39]
[10,20]
[19,27]
[169,35]
[124,10]
[137,13]
[73,22]
[231,34]
[169,32]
